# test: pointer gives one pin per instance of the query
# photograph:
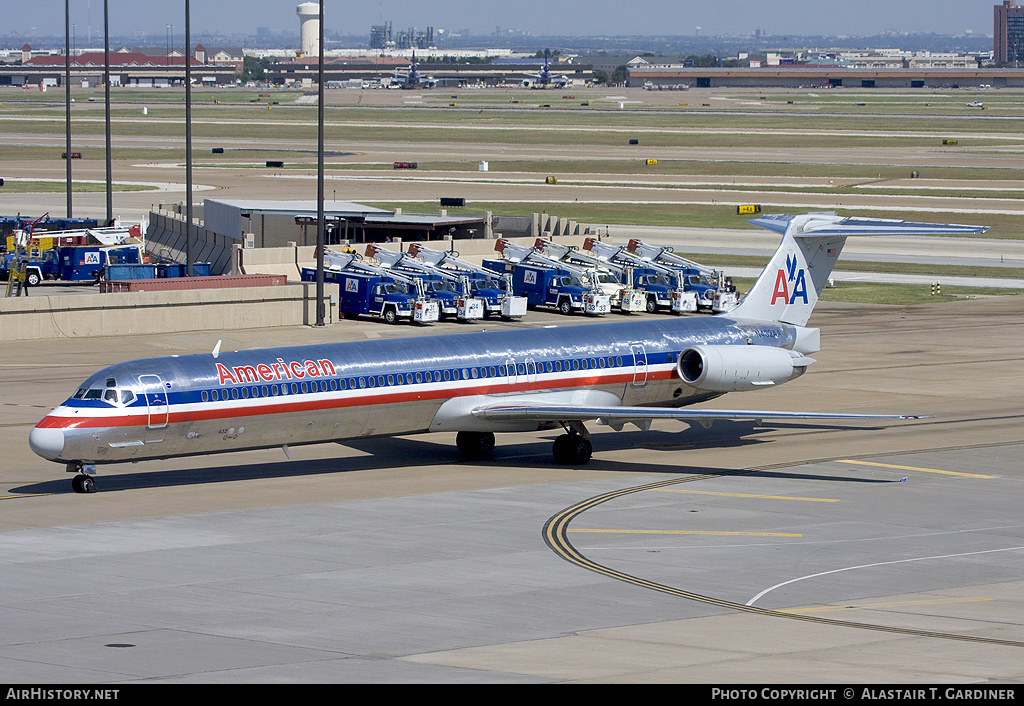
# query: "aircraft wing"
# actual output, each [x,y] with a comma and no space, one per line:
[617,416]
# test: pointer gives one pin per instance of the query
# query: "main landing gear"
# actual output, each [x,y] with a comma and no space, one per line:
[570,449]
[83,481]
[475,444]
[573,448]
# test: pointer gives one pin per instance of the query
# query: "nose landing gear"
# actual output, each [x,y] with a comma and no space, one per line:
[83,481]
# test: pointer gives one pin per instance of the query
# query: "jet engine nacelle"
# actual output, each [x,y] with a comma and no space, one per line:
[737,368]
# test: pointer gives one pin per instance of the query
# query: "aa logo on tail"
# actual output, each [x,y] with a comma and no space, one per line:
[790,283]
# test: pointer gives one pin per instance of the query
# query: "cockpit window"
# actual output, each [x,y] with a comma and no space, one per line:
[93,394]
[127,396]
[110,395]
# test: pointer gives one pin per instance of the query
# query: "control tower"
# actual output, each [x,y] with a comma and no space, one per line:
[309,27]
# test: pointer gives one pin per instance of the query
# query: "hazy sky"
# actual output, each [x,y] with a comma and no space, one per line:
[539,17]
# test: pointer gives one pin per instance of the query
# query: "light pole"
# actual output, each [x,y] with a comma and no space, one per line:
[67,98]
[320,226]
[188,141]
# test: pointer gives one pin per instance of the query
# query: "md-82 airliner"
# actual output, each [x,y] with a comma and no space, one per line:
[474,384]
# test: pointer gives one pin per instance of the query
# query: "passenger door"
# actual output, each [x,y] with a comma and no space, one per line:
[156,400]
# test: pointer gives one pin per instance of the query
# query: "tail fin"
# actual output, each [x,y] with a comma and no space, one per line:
[788,288]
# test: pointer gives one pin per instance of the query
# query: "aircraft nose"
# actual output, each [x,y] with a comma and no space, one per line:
[47,442]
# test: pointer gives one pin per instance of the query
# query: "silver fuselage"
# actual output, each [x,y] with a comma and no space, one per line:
[202,404]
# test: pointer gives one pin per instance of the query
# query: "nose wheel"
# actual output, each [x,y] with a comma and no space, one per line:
[83,482]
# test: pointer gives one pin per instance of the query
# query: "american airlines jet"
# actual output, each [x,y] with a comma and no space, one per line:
[474,384]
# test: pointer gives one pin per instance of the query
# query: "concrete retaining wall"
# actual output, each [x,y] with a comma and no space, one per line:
[120,314]
[165,239]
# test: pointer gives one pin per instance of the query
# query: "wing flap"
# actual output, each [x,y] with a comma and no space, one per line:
[614,416]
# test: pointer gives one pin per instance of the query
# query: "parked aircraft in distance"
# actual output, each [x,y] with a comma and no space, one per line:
[474,384]
[544,77]
[412,78]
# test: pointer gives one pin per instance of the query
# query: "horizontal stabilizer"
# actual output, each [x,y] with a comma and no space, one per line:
[829,223]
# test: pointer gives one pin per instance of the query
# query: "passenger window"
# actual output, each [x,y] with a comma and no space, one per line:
[234,393]
[305,389]
[206,396]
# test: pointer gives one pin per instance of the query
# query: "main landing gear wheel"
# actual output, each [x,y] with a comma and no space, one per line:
[83,484]
[475,444]
[572,450]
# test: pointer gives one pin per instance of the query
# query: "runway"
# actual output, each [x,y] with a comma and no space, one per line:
[395,560]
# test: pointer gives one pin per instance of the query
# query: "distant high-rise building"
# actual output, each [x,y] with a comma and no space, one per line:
[1008,34]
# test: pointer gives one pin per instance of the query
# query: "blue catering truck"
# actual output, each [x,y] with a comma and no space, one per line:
[713,289]
[453,290]
[364,290]
[545,282]
[42,256]
[551,286]
[72,263]
[495,290]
